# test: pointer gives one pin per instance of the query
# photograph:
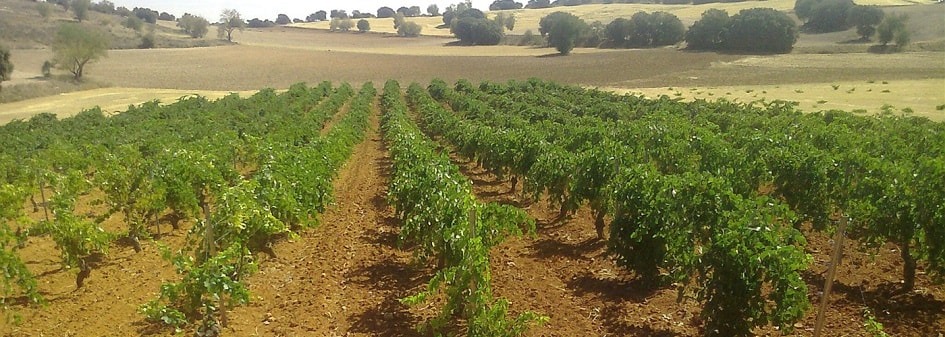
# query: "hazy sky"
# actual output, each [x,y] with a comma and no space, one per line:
[211,9]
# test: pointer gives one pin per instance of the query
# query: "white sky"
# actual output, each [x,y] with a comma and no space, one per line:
[249,9]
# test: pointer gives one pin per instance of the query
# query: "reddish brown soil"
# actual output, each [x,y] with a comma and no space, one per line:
[345,278]
[565,273]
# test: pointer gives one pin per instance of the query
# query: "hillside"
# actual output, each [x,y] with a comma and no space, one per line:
[527,19]
[22,27]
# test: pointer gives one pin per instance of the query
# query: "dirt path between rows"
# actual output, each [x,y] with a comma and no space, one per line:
[343,278]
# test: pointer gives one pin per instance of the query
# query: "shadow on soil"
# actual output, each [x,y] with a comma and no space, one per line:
[897,311]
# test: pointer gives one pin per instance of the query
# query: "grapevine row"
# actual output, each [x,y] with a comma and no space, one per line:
[441,216]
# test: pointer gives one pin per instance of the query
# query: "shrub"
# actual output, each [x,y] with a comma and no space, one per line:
[763,30]
[44,10]
[345,25]
[81,9]
[409,29]
[893,29]
[865,19]
[475,31]
[707,32]
[645,30]
[47,69]
[563,31]
[195,26]
[147,41]
[6,67]
[530,39]
[133,23]
[364,26]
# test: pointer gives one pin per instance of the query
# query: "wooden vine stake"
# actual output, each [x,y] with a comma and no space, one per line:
[473,286]
[835,257]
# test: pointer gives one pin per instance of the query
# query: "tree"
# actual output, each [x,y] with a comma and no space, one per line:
[146,14]
[499,5]
[81,9]
[762,30]
[195,26]
[399,20]
[321,15]
[409,29]
[385,12]
[475,31]
[283,19]
[865,19]
[665,29]
[44,10]
[104,6]
[824,16]
[165,16]
[75,46]
[230,21]
[506,20]
[707,32]
[893,28]
[6,67]
[564,30]
[534,4]
[338,14]
[544,25]
[433,10]
[364,26]
[413,11]
[618,31]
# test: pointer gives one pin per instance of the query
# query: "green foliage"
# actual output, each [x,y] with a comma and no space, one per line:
[133,23]
[760,30]
[230,21]
[364,26]
[563,29]
[409,29]
[44,10]
[824,16]
[195,26]
[891,28]
[6,66]
[530,39]
[437,206]
[708,33]
[15,278]
[475,31]
[75,46]
[865,19]
[76,237]
[148,41]
[81,9]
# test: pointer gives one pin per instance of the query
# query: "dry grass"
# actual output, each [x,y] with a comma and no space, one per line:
[110,100]
[923,97]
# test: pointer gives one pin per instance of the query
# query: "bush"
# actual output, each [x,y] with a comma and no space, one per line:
[473,31]
[364,26]
[409,29]
[133,23]
[760,30]
[563,30]
[147,41]
[345,25]
[195,26]
[865,19]
[6,67]
[81,9]
[47,69]
[530,39]
[707,32]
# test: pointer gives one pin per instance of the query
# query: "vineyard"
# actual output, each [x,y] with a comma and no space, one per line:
[726,208]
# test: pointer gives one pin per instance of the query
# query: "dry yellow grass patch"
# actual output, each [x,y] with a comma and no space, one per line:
[386,25]
[110,100]
[923,97]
